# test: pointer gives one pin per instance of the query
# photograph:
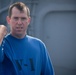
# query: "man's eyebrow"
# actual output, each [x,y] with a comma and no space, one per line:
[15,17]
[19,17]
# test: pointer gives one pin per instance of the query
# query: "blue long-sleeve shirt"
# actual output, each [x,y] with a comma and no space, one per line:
[26,56]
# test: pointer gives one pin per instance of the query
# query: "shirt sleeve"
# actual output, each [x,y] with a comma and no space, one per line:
[47,67]
[1,54]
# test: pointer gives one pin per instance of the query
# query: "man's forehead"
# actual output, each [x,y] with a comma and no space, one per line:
[21,10]
[17,11]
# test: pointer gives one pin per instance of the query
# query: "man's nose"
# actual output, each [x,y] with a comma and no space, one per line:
[19,21]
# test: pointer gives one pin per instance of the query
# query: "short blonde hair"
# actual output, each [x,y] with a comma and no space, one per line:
[20,6]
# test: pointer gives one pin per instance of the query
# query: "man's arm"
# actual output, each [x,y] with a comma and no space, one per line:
[3,31]
[47,66]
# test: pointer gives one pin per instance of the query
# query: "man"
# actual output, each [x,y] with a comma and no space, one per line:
[21,54]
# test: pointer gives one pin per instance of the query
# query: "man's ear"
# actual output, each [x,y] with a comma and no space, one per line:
[8,19]
[29,20]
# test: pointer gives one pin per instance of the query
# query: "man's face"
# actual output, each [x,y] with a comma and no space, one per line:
[18,22]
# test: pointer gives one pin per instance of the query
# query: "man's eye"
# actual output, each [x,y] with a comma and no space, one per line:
[23,18]
[16,18]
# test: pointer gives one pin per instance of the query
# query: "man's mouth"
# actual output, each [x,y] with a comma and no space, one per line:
[19,27]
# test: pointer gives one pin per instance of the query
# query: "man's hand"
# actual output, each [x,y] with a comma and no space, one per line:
[3,32]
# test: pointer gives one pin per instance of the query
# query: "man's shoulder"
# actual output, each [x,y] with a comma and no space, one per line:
[8,35]
[35,39]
